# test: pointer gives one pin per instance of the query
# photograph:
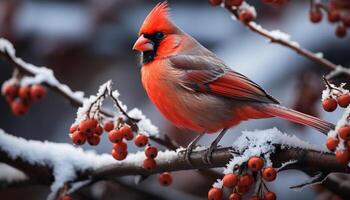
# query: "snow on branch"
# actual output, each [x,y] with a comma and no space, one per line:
[283,39]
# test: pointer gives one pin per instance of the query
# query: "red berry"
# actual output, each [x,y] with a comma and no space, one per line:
[19,107]
[269,174]
[254,197]
[115,136]
[151,152]
[246,16]
[344,100]
[37,92]
[73,128]
[344,132]
[24,92]
[235,196]
[165,179]
[342,156]
[270,196]
[246,180]
[329,104]
[66,197]
[340,31]
[332,143]
[78,138]
[233,2]
[88,126]
[315,16]
[149,164]
[215,2]
[346,21]
[98,130]
[141,140]
[119,155]
[94,139]
[255,163]
[108,126]
[230,180]
[242,189]
[120,147]
[333,16]
[10,91]
[348,144]
[215,194]
[127,132]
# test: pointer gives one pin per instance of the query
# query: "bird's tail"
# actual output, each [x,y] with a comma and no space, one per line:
[297,117]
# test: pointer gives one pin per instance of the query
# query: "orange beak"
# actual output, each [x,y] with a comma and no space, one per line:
[143,44]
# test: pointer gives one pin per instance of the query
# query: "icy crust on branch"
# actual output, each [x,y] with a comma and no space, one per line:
[334,92]
[9,174]
[262,143]
[275,34]
[145,125]
[338,70]
[93,103]
[41,74]
[64,159]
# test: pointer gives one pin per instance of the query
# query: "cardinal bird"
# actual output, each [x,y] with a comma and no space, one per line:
[195,89]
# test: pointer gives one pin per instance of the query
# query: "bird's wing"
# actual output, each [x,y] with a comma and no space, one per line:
[208,74]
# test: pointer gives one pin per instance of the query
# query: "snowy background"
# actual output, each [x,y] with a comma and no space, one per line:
[89,42]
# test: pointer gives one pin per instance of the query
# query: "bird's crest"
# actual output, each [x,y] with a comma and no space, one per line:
[158,20]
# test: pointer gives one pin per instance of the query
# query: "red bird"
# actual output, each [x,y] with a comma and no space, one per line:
[194,89]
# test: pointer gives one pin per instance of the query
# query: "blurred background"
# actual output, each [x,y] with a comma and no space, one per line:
[87,42]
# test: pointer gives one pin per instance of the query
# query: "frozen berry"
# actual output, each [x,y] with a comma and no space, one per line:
[348,144]
[165,179]
[246,16]
[37,92]
[10,91]
[108,126]
[141,140]
[215,2]
[246,180]
[24,92]
[127,132]
[119,155]
[94,139]
[235,196]
[215,194]
[88,125]
[333,16]
[78,138]
[242,189]
[120,146]
[19,107]
[344,100]
[98,130]
[342,156]
[151,152]
[332,143]
[255,163]
[315,16]
[233,2]
[269,174]
[346,21]
[115,136]
[73,128]
[270,196]
[344,132]
[230,180]
[340,31]
[149,164]
[329,104]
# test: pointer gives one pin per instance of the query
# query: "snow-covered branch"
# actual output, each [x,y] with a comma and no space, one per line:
[58,164]
[283,39]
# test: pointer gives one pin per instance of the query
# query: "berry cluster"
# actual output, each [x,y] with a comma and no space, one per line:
[240,181]
[334,96]
[21,97]
[337,13]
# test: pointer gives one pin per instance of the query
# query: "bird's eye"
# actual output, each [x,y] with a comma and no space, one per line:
[158,35]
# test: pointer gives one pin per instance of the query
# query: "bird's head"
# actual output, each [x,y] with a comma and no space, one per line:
[158,36]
